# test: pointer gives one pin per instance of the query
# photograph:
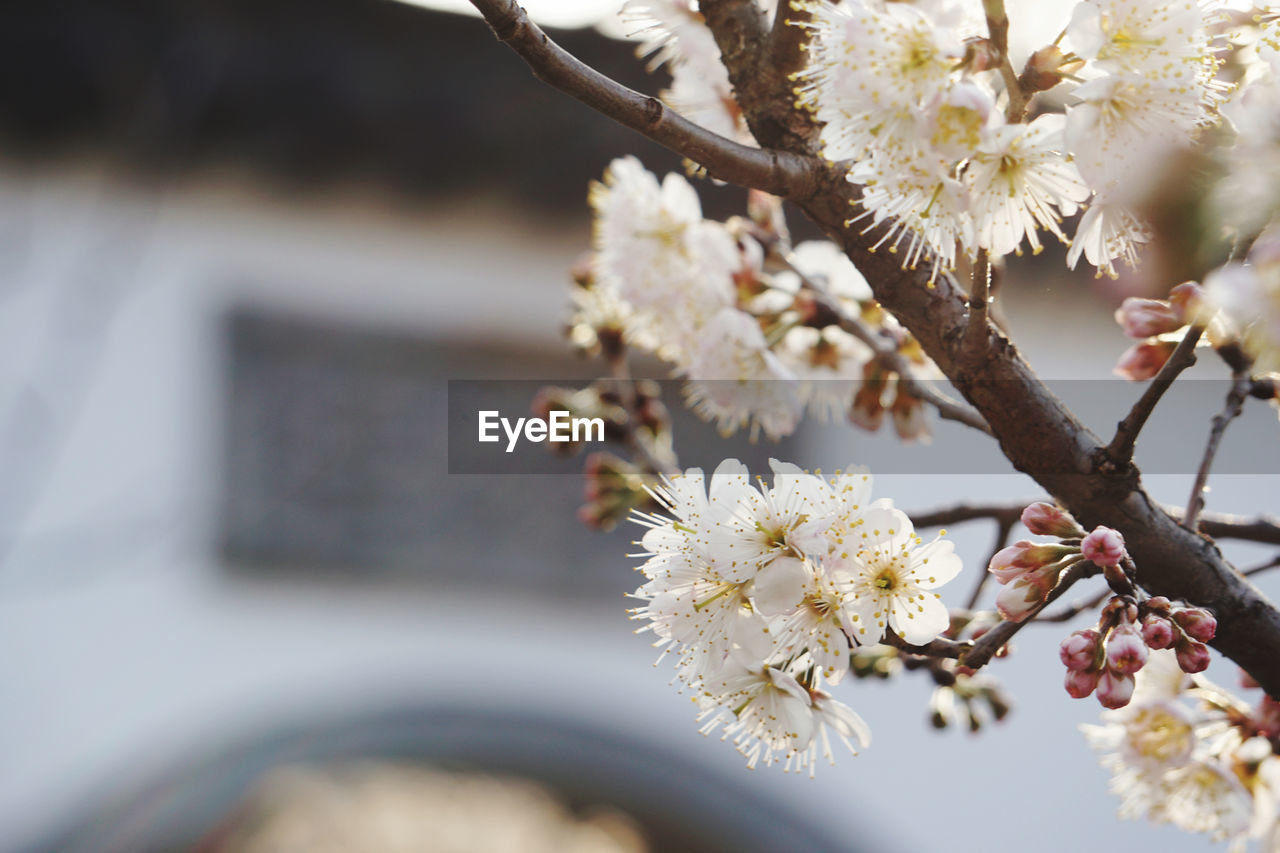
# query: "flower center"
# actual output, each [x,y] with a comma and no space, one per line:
[887,580]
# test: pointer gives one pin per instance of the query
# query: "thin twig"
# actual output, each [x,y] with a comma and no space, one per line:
[961,512]
[780,173]
[939,648]
[998,29]
[1184,355]
[1069,613]
[991,642]
[1004,527]
[1230,410]
[887,353]
[1259,569]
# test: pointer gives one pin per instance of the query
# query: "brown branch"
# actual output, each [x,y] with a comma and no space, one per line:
[1004,527]
[1262,567]
[979,303]
[1001,512]
[886,351]
[998,29]
[1262,528]
[1230,411]
[777,172]
[1037,433]
[1184,355]
[986,646]
[1069,613]
[888,354]
[939,648]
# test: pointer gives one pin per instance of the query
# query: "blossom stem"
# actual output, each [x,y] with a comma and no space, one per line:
[1230,410]
[998,30]
[991,642]
[1121,447]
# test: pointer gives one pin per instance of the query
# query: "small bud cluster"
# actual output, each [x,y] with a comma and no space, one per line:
[1105,658]
[1030,570]
[1158,325]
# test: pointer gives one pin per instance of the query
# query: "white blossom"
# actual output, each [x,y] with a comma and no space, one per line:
[889,576]
[1019,181]
[736,380]
[656,252]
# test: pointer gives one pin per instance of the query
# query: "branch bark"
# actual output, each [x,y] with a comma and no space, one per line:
[1036,432]
[780,173]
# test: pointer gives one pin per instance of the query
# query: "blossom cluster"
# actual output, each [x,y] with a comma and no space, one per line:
[1158,325]
[1209,768]
[910,92]
[1106,657]
[1029,571]
[762,592]
[735,309]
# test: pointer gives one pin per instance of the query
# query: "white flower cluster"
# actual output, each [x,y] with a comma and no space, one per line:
[762,592]
[1191,767]
[698,294]
[903,95]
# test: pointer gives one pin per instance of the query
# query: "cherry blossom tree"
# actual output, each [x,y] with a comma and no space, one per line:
[906,133]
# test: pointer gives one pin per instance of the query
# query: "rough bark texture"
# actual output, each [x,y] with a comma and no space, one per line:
[1037,433]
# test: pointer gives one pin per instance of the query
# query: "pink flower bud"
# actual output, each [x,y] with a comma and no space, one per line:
[1187,299]
[1114,691]
[1158,633]
[1079,651]
[1199,624]
[1144,360]
[1020,599]
[1126,652]
[1016,560]
[1157,604]
[1103,546]
[1193,657]
[1045,519]
[1080,684]
[1146,318]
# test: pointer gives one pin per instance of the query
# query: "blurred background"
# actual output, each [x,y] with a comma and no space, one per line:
[244,604]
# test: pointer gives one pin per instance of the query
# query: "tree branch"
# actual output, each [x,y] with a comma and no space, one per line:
[1036,432]
[1230,411]
[777,172]
[985,647]
[1184,355]
[998,29]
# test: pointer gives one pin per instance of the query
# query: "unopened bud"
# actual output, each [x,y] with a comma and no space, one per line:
[1193,657]
[1021,598]
[1144,360]
[1104,547]
[1157,604]
[1145,318]
[1045,519]
[1199,624]
[1079,683]
[1158,633]
[1114,690]
[1079,651]
[1126,651]
[1046,68]
[1023,556]
[1187,299]
[980,54]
